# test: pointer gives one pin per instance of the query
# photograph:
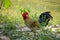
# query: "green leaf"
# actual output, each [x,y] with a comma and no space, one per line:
[6,4]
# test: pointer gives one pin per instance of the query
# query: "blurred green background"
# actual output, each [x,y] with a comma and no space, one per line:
[35,6]
[11,16]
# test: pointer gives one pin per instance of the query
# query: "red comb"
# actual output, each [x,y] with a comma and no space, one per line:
[25,13]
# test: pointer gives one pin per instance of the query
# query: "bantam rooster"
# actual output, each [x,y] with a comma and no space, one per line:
[32,24]
[44,18]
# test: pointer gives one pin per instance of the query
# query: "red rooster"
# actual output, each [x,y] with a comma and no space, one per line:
[32,24]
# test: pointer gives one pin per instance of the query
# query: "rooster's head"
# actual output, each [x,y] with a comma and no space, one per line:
[25,15]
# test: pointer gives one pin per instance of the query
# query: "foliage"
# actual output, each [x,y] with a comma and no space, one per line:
[6,4]
[47,35]
[14,34]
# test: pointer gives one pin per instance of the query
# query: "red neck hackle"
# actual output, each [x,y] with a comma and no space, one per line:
[25,15]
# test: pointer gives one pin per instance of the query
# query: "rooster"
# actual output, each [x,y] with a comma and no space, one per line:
[44,18]
[32,24]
